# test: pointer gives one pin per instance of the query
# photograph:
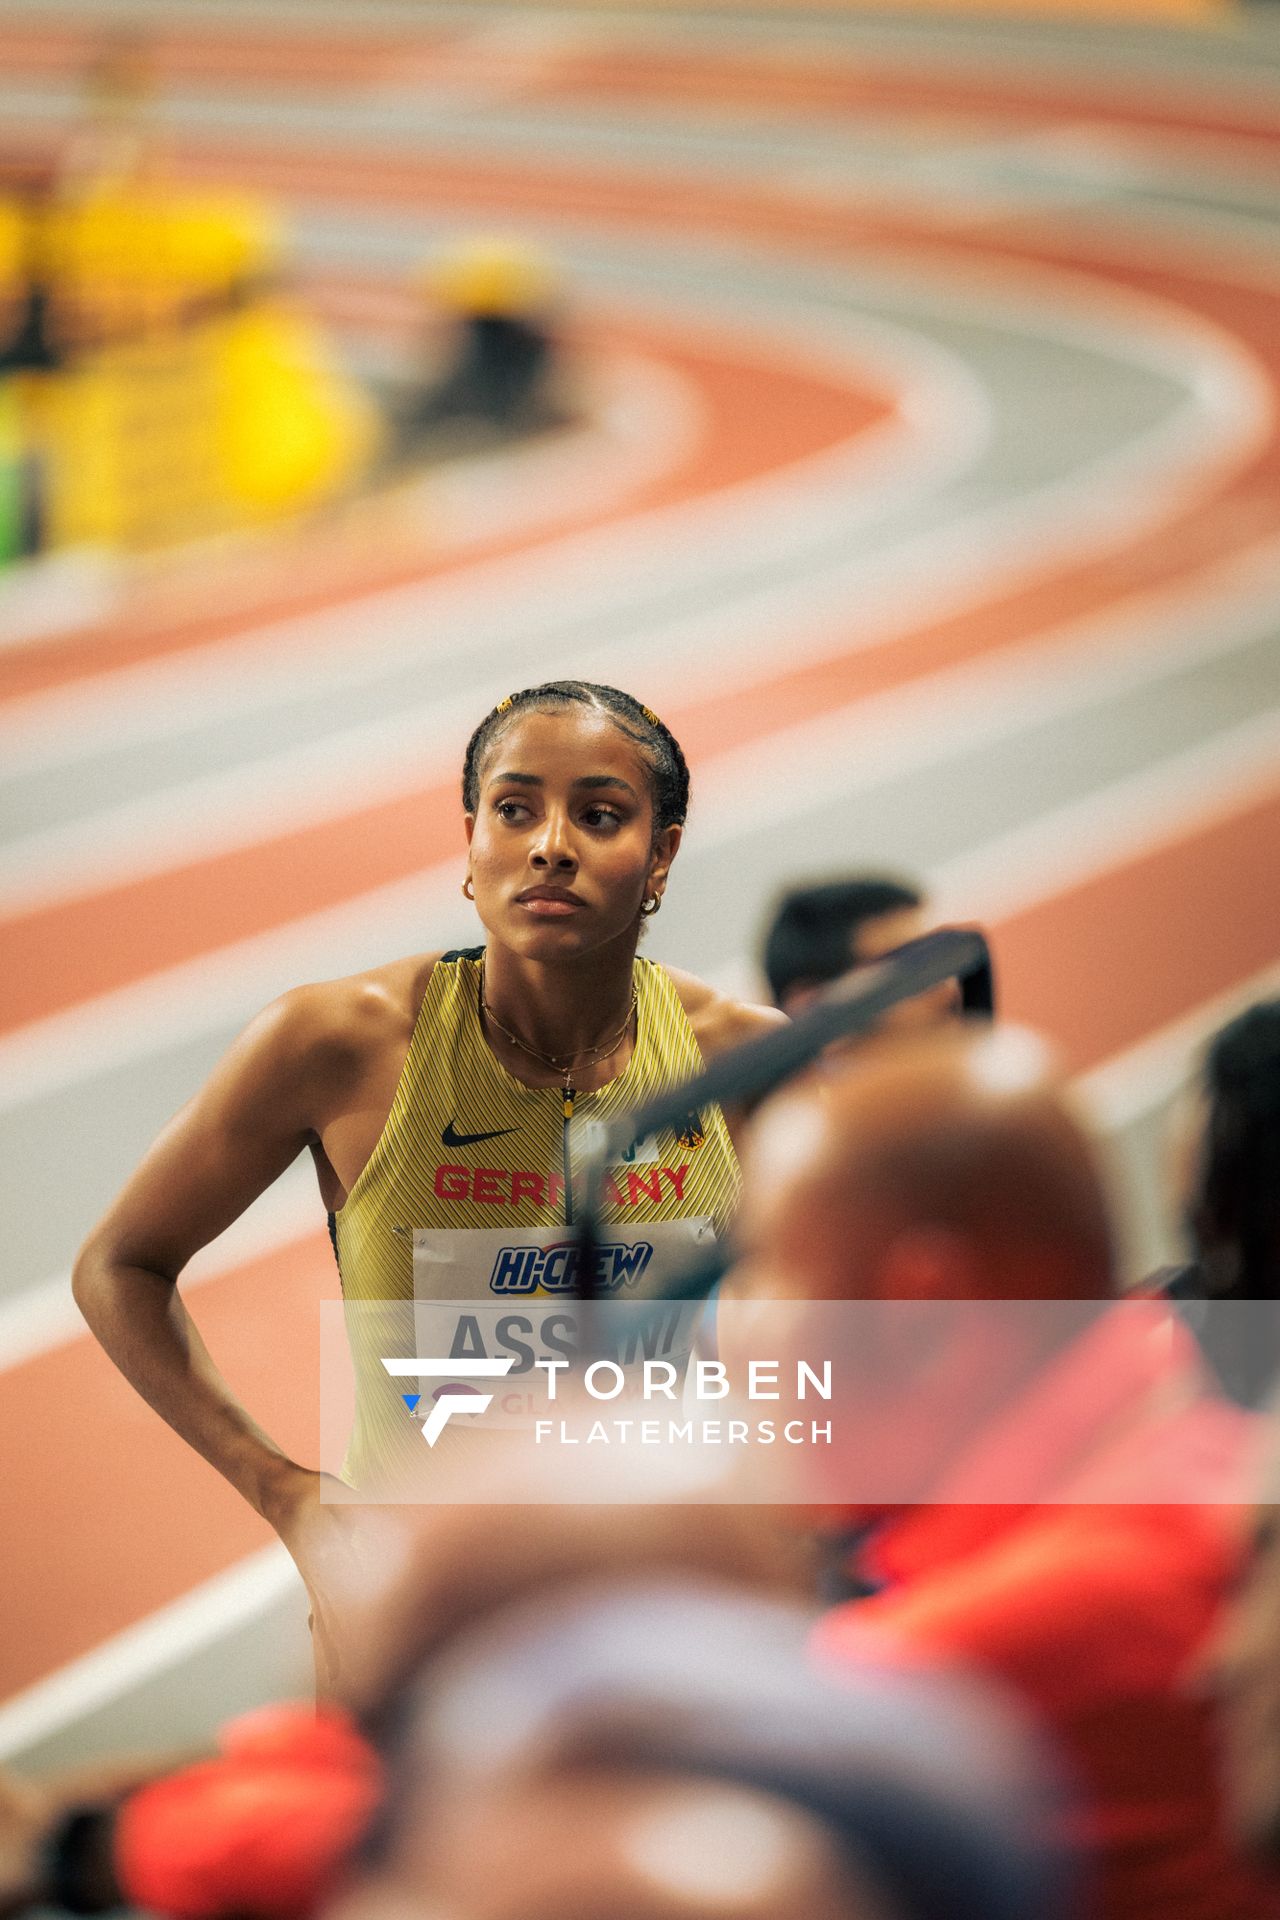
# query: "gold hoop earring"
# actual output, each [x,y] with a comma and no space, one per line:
[467,893]
[650,906]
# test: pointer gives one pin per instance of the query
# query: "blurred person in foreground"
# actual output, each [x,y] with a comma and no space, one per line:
[1069,1520]
[262,1827]
[1227,1183]
[820,933]
[662,1749]
[258,1828]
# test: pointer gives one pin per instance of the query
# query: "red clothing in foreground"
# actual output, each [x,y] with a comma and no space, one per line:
[264,1829]
[1095,1611]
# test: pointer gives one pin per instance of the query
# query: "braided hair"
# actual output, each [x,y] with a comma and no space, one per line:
[1238,1202]
[668,772]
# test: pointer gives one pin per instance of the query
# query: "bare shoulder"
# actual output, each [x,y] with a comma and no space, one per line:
[331,1024]
[720,1022]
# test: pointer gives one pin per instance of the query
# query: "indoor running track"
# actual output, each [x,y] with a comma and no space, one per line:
[928,489]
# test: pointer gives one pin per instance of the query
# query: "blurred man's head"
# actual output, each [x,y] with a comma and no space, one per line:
[941,1184]
[668,1751]
[448,1567]
[1231,1173]
[947,1165]
[819,933]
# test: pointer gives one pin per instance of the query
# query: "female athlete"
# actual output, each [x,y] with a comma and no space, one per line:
[440,1096]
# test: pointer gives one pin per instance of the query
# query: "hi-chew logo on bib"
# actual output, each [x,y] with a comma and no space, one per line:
[505,1263]
[558,1269]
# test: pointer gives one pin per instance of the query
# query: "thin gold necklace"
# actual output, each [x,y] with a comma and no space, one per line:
[564,1063]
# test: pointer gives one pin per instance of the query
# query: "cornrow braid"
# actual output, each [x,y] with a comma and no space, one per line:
[668,770]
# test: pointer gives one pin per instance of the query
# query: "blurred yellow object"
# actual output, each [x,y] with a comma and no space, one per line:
[494,276]
[129,437]
[193,400]
[231,421]
[13,247]
[291,431]
[110,247]
[11,438]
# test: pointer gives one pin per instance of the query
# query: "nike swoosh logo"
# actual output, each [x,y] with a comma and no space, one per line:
[451,1139]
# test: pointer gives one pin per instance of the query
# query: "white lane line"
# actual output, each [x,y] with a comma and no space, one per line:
[388,757]
[218,989]
[41,598]
[1070,669]
[45,1315]
[776,780]
[126,1660]
[302,783]
[523,600]
[1134,1083]
[1111,499]
[1147,637]
[1114,825]
[480,69]
[937,404]
[1220,249]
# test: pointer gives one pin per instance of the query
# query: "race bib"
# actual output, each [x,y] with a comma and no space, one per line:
[497,1293]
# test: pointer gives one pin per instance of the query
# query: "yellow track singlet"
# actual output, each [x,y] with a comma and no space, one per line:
[463,1194]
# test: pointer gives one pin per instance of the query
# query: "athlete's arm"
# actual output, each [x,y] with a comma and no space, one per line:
[263,1105]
